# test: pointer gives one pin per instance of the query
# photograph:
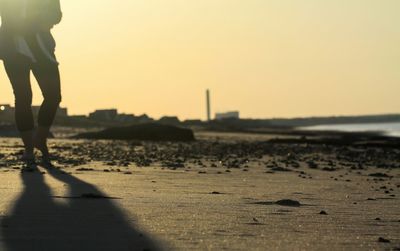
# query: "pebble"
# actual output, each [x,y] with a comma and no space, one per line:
[380,175]
[84,169]
[381,239]
[215,192]
[288,203]
[280,169]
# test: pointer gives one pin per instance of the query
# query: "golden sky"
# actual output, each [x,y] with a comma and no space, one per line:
[265,58]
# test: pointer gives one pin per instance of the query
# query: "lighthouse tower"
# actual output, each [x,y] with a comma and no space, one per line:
[208,105]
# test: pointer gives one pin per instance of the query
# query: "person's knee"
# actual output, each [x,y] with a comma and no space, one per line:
[23,99]
[57,99]
[54,100]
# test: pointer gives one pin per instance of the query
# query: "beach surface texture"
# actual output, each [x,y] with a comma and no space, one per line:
[221,192]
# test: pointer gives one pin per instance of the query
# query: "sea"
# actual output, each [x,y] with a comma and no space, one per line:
[389,129]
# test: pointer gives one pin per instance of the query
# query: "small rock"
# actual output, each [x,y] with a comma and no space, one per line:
[84,169]
[312,165]
[381,239]
[329,169]
[288,203]
[280,169]
[323,212]
[380,175]
[215,192]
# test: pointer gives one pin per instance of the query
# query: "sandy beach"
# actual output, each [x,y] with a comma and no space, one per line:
[222,192]
[223,125]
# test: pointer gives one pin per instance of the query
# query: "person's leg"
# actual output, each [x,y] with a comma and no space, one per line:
[48,77]
[40,140]
[18,71]
[27,138]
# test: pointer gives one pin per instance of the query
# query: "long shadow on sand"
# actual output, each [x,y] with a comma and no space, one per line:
[40,222]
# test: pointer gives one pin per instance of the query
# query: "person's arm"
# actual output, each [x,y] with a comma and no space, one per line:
[52,15]
[55,12]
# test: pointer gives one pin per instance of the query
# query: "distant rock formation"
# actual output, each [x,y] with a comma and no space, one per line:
[146,131]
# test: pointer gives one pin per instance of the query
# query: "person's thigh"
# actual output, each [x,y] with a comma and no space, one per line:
[48,78]
[18,72]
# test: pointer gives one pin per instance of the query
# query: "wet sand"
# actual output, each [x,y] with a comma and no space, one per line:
[223,192]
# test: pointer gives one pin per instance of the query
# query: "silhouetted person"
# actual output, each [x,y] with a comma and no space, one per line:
[26,45]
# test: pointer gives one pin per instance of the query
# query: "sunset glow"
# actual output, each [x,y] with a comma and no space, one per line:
[264,58]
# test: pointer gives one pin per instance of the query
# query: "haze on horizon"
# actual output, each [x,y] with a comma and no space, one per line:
[265,58]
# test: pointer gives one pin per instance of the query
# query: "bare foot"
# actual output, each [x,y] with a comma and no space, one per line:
[46,162]
[40,140]
[28,156]
[46,159]
[41,145]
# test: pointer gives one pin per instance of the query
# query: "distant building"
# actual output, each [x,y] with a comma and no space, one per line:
[61,112]
[144,118]
[5,109]
[6,113]
[125,118]
[227,115]
[169,120]
[193,122]
[78,117]
[109,114]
